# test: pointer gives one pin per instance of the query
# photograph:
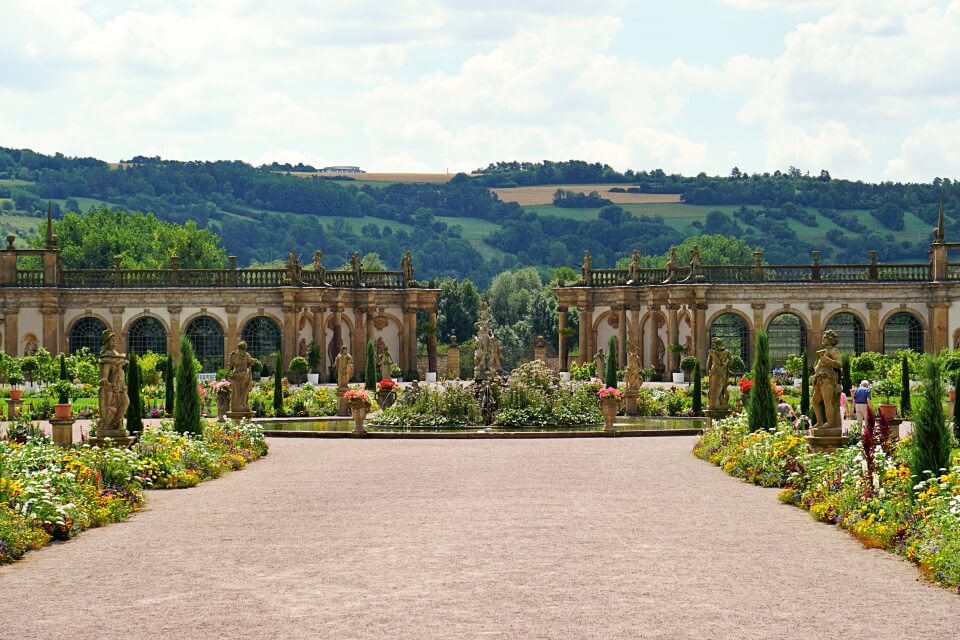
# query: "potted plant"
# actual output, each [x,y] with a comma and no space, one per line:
[688,364]
[15,378]
[300,367]
[386,393]
[314,355]
[795,365]
[609,398]
[887,388]
[28,366]
[679,350]
[359,403]
[264,370]
[63,409]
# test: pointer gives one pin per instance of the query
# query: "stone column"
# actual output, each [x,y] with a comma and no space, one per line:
[117,326]
[701,332]
[562,339]
[11,334]
[319,336]
[622,338]
[586,334]
[370,327]
[409,347]
[432,341]
[873,330]
[938,321]
[288,340]
[814,330]
[359,347]
[673,336]
[639,334]
[61,330]
[653,355]
[453,361]
[51,315]
[338,332]
[233,333]
[173,339]
[758,308]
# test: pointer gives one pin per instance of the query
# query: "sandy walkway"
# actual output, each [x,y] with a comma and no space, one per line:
[620,538]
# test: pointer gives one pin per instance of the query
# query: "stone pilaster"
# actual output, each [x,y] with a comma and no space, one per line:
[938,322]
[319,328]
[653,339]
[233,332]
[673,336]
[701,332]
[622,338]
[51,335]
[814,331]
[873,330]
[290,331]
[173,339]
[116,321]
[586,331]
[11,333]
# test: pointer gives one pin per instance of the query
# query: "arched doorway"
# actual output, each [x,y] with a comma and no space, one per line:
[262,336]
[206,336]
[732,329]
[146,334]
[849,328]
[788,336]
[86,332]
[902,331]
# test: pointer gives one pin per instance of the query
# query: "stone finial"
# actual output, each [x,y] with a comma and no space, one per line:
[10,240]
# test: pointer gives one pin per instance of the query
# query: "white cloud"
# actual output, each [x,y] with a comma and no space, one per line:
[931,150]
[832,147]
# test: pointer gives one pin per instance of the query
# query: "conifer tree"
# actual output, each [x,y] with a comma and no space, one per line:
[610,375]
[135,407]
[956,408]
[168,396]
[846,380]
[697,390]
[805,384]
[278,387]
[905,409]
[186,414]
[370,377]
[762,413]
[930,450]
[64,398]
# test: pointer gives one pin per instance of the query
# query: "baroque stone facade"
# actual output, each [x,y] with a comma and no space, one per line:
[271,309]
[872,307]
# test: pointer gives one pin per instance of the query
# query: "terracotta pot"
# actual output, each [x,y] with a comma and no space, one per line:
[63,411]
[953,395]
[15,394]
[888,411]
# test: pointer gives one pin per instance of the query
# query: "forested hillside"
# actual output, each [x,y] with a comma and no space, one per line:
[460,228]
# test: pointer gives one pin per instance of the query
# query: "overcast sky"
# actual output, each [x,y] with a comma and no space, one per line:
[867,89]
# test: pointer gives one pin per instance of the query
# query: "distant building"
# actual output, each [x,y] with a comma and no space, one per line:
[342,169]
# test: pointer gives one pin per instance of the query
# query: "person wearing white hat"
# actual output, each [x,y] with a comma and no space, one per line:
[861,399]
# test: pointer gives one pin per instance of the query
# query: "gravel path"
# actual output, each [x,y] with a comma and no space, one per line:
[606,538]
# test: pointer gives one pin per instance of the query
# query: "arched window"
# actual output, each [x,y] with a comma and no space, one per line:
[86,332]
[146,334]
[788,336]
[732,329]
[902,331]
[849,329]
[262,336]
[206,335]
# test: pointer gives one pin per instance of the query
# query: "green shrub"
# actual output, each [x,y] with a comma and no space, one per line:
[610,375]
[930,450]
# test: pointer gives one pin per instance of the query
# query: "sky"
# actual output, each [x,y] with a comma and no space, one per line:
[866,89]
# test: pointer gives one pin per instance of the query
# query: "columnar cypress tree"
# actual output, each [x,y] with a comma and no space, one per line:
[904,386]
[135,408]
[610,375]
[931,438]
[186,414]
[697,390]
[956,408]
[370,378]
[805,384]
[168,397]
[278,387]
[762,413]
[845,380]
[64,398]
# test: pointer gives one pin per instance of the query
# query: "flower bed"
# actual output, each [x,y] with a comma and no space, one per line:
[51,492]
[836,488]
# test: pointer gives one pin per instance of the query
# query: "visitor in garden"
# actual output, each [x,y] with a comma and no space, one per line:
[786,411]
[861,398]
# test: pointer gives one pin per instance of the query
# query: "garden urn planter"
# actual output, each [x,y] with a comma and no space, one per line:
[386,398]
[358,409]
[63,411]
[564,376]
[223,405]
[609,408]
[888,411]
[431,376]
[313,378]
[679,377]
[953,395]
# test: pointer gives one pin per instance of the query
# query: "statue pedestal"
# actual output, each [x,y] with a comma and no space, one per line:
[63,431]
[115,438]
[630,402]
[715,414]
[826,439]
[240,415]
[13,408]
[343,406]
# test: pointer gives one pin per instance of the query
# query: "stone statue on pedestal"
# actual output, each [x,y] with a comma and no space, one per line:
[600,364]
[386,363]
[241,378]
[406,266]
[357,267]
[586,271]
[113,389]
[826,385]
[719,361]
[318,267]
[486,356]
[344,367]
[633,373]
[671,266]
[633,275]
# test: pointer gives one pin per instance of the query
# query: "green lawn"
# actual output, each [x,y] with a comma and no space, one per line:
[11,182]
[474,232]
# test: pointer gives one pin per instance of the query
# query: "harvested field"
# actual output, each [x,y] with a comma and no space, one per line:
[383,177]
[544,194]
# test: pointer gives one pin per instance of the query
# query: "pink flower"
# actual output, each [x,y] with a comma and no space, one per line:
[609,392]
